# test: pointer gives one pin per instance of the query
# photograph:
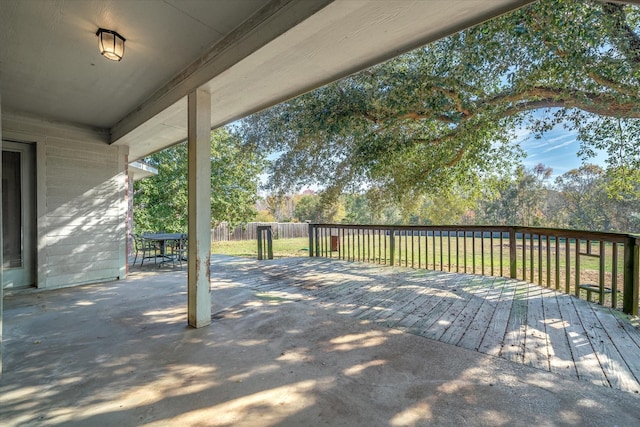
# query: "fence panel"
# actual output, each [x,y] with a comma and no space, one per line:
[281,230]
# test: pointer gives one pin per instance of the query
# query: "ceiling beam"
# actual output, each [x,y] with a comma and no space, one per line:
[267,24]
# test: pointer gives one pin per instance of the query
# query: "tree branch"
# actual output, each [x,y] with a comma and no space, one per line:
[413,115]
[542,97]
[627,41]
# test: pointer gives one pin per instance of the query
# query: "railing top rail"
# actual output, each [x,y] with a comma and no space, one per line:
[553,232]
[581,234]
[417,227]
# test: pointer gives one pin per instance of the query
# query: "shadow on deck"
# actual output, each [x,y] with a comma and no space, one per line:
[510,319]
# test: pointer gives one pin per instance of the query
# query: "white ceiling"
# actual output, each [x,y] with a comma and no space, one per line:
[249,54]
[49,60]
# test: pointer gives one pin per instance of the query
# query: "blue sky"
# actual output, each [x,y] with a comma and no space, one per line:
[557,149]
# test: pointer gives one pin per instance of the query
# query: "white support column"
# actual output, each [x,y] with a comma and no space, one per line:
[199,250]
[1,245]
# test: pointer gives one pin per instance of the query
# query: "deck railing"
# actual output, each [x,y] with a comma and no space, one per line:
[581,263]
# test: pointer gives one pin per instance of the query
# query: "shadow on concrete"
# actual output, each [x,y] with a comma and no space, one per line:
[121,354]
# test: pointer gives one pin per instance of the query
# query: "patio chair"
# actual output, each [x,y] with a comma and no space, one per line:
[178,250]
[147,248]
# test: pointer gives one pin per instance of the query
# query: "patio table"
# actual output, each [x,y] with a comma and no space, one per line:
[162,239]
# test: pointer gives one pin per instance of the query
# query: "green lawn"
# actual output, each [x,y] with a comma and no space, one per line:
[249,248]
[447,256]
[481,256]
[417,253]
[470,252]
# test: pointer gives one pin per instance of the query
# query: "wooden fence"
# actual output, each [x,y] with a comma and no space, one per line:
[280,230]
[575,262]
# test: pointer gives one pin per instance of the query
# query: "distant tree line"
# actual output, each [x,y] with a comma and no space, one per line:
[578,199]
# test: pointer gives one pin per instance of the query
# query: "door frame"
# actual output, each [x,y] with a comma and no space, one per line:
[28,195]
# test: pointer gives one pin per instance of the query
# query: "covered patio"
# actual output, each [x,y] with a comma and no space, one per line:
[308,341]
[86,341]
[73,121]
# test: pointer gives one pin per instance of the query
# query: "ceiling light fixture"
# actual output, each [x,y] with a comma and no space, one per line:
[111,44]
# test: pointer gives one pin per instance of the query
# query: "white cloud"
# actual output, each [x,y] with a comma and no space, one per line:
[564,144]
[562,137]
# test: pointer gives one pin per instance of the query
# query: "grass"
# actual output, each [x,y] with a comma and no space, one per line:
[419,253]
[435,252]
[410,253]
[482,256]
[249,248]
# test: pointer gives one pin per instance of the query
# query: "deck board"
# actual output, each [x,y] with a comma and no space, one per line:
[460,317]
[369,307]
[625,346]
[476,330]
[493,339]
[584,357]
[514,339]
[560,357]
[512,319]
[432,326]
[407,294]
[409,314]
[536,352]
[610,359]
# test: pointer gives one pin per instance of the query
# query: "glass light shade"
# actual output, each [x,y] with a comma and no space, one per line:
[111,44]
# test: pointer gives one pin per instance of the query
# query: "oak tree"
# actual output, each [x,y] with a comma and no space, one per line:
[444,116]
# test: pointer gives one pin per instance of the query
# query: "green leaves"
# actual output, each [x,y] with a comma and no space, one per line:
[160,202]
[618,137]
[519,200]
[443,115]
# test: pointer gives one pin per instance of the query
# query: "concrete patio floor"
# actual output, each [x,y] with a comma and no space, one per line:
[121,354]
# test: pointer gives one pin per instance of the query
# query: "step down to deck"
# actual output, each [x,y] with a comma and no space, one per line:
[590,287]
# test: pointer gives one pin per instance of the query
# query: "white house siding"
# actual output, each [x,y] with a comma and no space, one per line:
[81,205]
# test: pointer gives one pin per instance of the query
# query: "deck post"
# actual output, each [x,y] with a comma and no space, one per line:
[199,209]
[262,231]
[513,266]
[259,237]
[311,227]
[631,267]
[269,243]
[392,246]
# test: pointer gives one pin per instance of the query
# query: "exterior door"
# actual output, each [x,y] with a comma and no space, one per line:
[18,209]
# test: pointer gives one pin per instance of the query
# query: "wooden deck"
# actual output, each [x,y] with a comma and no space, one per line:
[502,317]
